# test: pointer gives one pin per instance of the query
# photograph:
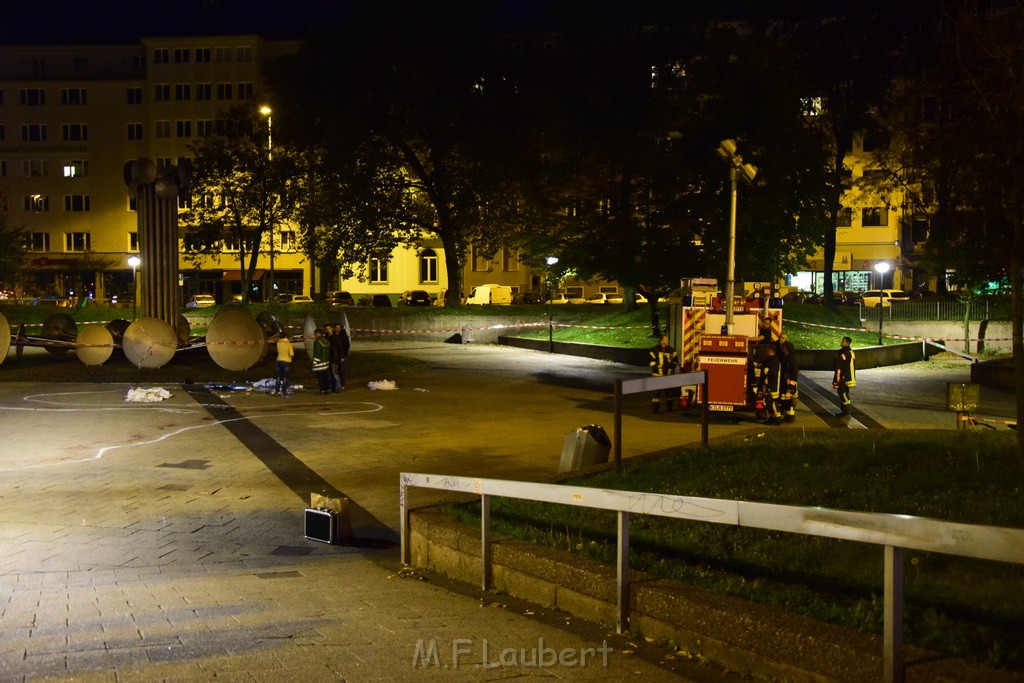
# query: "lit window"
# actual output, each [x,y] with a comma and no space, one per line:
[37,203]
[76,168]
[77,241]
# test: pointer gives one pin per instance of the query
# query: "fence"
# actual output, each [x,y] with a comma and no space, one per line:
[895,532]
[979,309]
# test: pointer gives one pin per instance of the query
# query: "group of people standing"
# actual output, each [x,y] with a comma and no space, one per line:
[776,377]
[331,346]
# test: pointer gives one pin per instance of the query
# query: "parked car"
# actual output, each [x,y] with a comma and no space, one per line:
[201,301]
[560,298]
[873,297]
[499,295]
[604,298]
[416,297]
[340,299]
[294,299]
[377,300]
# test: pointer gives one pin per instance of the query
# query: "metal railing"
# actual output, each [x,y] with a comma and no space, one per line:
[895,533]
[946,311]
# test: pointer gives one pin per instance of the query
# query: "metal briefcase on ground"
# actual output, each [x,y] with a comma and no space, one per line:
[321,525]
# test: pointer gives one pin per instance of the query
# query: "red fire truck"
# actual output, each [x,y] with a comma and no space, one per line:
[732,361]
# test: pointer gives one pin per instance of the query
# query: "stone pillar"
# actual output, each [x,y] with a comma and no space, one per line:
[157,193]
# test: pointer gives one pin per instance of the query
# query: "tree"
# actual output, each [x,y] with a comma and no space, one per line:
[12,251]
[241,188]
[422,100]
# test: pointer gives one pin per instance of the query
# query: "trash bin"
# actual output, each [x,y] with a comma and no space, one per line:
[584,447]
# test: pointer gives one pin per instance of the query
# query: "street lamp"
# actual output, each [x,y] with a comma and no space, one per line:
[727,153]
[265,110]
[550,260]
[882,267]
[134,262]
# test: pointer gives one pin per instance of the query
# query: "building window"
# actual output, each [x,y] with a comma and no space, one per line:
[428,267]
[289,240]
[33,132]
[163,129]
[182,92]
[222,55]
[378,270]
[243,54]
[202,55]
[509,260]
[163,162]
[76,168]
[75,132]
[37,203]
[162,92]
[133,240]
[161,56]
[181,55]
[33,168]
[76,202]
[72,96]
[33,97]
[480,262]
[39,241]
[245,91]
[844,218]
[184,129]
[77,241]
[874,217]
[204,91]
[133,95]
[134,131]
[223,91]
[204,128]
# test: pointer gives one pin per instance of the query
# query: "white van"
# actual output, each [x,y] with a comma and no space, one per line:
[500,295]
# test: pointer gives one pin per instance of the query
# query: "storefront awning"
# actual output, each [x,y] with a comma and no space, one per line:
[235,276]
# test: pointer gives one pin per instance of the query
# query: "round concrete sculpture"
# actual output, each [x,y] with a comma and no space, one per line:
[235,340]
[59,327]
[184,329]
[270,324]
[116,329]
[149,342]
[308,335]
[94,345]
[5,338]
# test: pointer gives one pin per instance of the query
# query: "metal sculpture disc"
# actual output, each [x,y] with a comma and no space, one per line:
[149,342]
[59,327]
[94,345]
[343,319]
[235,340]
[308,335]
[5,338]
[184,329]
[116,329]
[270,324]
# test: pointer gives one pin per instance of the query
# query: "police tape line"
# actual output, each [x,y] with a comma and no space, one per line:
[900,336]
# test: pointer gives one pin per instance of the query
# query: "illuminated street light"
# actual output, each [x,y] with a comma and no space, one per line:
[882,267]
[727,153]
[265,110]
[550,260]
[134,262]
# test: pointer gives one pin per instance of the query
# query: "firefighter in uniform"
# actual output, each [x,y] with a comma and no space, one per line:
[846,375]
[663,363]
[771,383]
[790,370]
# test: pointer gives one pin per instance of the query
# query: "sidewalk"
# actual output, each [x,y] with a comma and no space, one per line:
[148,542]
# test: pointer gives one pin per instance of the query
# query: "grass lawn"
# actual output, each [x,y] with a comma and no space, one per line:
[958,606]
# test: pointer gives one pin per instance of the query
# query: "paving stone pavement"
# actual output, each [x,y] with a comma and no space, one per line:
[143,542]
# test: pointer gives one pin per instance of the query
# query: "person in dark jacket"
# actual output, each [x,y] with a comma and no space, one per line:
[340,347]
[771,383]
[322,360]
[788,386]
[663,363]
[845,377]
